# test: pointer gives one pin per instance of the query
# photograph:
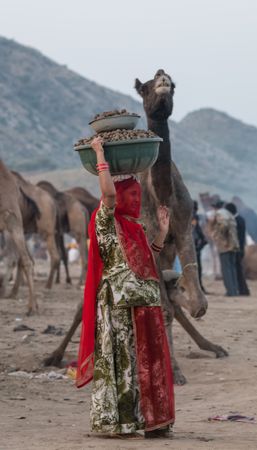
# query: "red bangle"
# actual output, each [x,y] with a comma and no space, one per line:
[102,167]
[98,166]
[156,248]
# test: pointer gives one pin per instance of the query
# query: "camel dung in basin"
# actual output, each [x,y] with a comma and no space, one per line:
[112,120]
[127,151]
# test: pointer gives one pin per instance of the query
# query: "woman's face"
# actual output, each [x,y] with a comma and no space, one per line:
[130,200]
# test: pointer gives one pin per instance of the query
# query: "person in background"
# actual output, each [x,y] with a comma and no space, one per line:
[123,343]
[241,234]
[223,231]
[249,215]
[199,241]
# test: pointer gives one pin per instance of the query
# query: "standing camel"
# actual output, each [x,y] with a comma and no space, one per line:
[74,218]
[250,262]
[11,220]
[163,184]
[44,224]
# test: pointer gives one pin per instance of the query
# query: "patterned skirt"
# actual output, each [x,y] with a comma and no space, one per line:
[132,384]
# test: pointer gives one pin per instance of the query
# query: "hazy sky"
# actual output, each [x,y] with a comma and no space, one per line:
[207,46]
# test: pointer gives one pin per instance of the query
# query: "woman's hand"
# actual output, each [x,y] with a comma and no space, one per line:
[163,216]
[97,144]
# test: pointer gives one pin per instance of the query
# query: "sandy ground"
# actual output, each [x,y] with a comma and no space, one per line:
[38,413]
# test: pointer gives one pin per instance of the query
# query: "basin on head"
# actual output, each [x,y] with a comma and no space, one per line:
[119,121]
[127,156]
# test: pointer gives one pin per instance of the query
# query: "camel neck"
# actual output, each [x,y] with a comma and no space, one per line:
[161,170]
[159,127]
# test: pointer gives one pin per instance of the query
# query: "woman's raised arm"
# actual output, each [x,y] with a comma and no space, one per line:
[105,180]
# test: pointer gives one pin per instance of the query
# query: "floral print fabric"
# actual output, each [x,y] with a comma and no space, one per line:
[127,289]
[115,396]
[115,406]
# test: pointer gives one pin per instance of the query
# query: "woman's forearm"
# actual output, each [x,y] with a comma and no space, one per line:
[105,180]
[158,242]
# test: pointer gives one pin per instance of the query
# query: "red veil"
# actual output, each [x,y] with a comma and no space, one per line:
[153,358]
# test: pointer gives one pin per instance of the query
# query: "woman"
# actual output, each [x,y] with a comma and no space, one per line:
[123,345]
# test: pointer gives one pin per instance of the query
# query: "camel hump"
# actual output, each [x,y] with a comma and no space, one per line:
[30,205]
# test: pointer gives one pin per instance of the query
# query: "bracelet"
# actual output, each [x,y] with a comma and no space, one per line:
[156,248]
[102,167]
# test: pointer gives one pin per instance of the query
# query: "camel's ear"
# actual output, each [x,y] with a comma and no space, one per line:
[139,87]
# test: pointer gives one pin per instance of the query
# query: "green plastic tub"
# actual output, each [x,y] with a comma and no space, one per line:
[129,156]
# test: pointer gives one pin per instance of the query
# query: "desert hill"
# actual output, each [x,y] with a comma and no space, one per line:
[45,108]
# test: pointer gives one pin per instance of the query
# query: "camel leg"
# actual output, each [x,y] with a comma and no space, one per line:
[58,270]
[4,280]
[28,276]
[54,257]
[7,277]
[17,281]
[178,376]
[10,256]
[202,343]
[168,314]
[185,247]
[64,259]
[27,266]
[56,357]
[58,245]
[82,243]
[2,286]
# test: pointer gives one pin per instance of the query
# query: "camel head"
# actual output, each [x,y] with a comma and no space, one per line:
[157,95]
[175,290]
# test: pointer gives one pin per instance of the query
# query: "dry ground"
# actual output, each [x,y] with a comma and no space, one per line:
[42,414]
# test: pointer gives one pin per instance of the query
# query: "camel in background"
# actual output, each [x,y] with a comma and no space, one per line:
[249,216]
[74,218]
[250,256]
[85,198]
[250,262]
[44,223]
[11,221]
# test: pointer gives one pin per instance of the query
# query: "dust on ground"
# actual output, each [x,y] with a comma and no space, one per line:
[51,414]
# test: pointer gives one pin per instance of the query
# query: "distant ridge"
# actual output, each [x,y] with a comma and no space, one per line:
[45,108]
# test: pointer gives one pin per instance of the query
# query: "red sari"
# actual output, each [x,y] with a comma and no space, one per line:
[153,357]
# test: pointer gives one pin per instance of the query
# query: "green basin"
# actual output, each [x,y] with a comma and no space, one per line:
[130,156]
